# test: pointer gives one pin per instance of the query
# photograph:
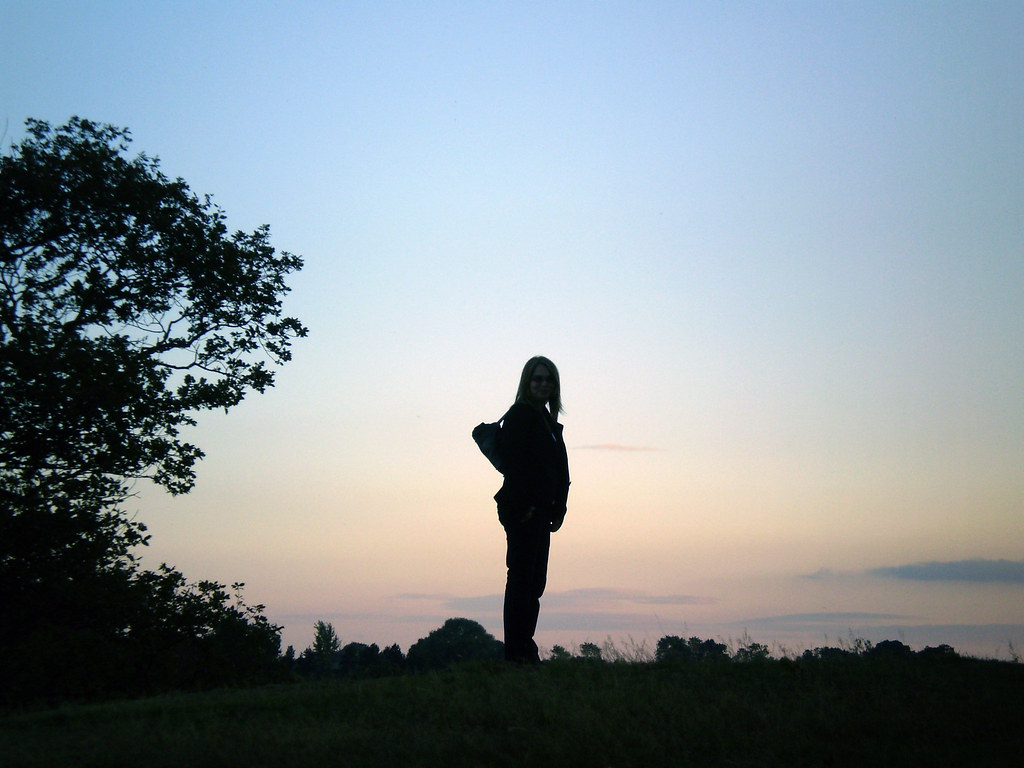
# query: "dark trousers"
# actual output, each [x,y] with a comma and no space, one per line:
[527,561]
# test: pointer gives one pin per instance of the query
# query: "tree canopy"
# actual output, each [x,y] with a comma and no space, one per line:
[126,307]
[456,640]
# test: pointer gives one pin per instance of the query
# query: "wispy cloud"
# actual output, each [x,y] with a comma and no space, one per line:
[421,596]
[609,595]
[823,573]
[977,570]
[581,600]
[598,623]
[616,447]
[674,600]
[477,603]
[818,620]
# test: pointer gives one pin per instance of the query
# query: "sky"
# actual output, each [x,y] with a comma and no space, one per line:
[776,250]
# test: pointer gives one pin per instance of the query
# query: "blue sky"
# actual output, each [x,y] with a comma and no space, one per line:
[774,248]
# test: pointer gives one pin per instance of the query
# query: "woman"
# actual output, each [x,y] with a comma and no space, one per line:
[532,500]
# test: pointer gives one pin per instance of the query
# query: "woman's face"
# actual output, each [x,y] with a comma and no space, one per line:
[542,384]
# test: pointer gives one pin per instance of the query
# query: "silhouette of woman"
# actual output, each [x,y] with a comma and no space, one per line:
[531,501]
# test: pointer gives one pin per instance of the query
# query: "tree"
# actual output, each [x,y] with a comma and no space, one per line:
[590,651]
[125,309]
[673,648]
[559,653]
[890,649]
[327,657]
[945,652]
[326,645]
[752,652]
[455,641]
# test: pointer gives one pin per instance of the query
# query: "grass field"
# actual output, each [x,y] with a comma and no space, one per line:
[851,711]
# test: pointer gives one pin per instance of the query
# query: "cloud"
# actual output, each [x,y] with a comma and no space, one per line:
[675,600]
[478,603]
[823,573]
[421,596]
[977,570]
[598,595]
[601,622]
[818,620]
[615,447]
[580,600]
[602,595]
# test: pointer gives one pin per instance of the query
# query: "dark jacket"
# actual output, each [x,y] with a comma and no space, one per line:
[536,466]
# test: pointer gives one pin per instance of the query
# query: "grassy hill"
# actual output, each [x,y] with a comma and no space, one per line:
[846,711]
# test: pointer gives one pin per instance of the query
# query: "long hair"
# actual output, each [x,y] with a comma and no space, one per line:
[523,393]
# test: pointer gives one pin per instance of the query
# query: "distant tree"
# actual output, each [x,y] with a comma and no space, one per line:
[354,660]
[590,651]
[890,649]
[938,652]
[828,653]
[358,659]
[455,641]
[391,660]
[125,309]
[709,650]
[326,646]
[559,653]
[751,651]
[288,659]
[673,648]
[306,663]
